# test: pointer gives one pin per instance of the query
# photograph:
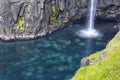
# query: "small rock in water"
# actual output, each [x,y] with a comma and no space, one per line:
[32,59]
[39,45]
[98,43]
[77,55]
[81,44]
[28,73]
[67,42]
[37,50]
[24,62]
[17,64]
[23,47]
[62,58]
[77,40]
[57,47]
[61,68]
[63,46]
[39,77]
[40,68]
[47,45]
[69,59]
[40,71]
[31,69]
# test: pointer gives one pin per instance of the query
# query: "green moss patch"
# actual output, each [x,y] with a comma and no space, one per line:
[22,25]
[105,69]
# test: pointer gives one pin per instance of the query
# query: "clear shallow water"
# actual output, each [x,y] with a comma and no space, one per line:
[55,57]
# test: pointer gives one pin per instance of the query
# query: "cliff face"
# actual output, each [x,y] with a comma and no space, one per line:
[25,19]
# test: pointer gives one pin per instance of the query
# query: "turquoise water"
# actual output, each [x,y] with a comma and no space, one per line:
[54,57]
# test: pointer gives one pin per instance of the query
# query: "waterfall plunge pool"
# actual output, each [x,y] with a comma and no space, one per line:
[54,57]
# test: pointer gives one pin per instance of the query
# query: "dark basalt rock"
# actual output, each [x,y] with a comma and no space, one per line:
[26,19]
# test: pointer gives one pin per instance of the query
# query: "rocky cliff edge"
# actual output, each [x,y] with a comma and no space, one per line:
[26,19]
[103,65]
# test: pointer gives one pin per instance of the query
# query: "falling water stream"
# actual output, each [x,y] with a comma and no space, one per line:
[90,32]
[91,14]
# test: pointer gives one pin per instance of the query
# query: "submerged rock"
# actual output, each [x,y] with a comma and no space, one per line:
[26,19]
[29,74]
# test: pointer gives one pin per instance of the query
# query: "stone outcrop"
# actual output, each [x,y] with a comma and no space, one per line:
[26,19]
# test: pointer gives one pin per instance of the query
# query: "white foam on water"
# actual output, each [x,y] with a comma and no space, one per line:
[90,32]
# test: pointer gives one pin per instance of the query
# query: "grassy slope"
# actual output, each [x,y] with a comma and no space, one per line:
[106,69]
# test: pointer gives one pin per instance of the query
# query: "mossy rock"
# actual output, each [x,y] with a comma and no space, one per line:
[22,25]
[105,69]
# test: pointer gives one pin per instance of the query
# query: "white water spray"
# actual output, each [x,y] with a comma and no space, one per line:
[90,32]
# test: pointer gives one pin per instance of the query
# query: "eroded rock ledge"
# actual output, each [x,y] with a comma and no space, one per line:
[26,19]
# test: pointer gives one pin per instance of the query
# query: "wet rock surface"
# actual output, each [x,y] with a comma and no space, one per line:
[26,19]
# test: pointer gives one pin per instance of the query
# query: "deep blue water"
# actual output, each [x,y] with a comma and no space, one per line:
[54,57]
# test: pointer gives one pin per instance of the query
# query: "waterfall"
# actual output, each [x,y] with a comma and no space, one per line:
[90,32]
[91,14]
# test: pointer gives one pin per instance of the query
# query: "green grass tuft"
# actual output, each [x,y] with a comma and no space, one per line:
[106,69]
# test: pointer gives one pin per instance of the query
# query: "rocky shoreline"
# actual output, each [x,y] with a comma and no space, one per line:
[29,19]
[103,63]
